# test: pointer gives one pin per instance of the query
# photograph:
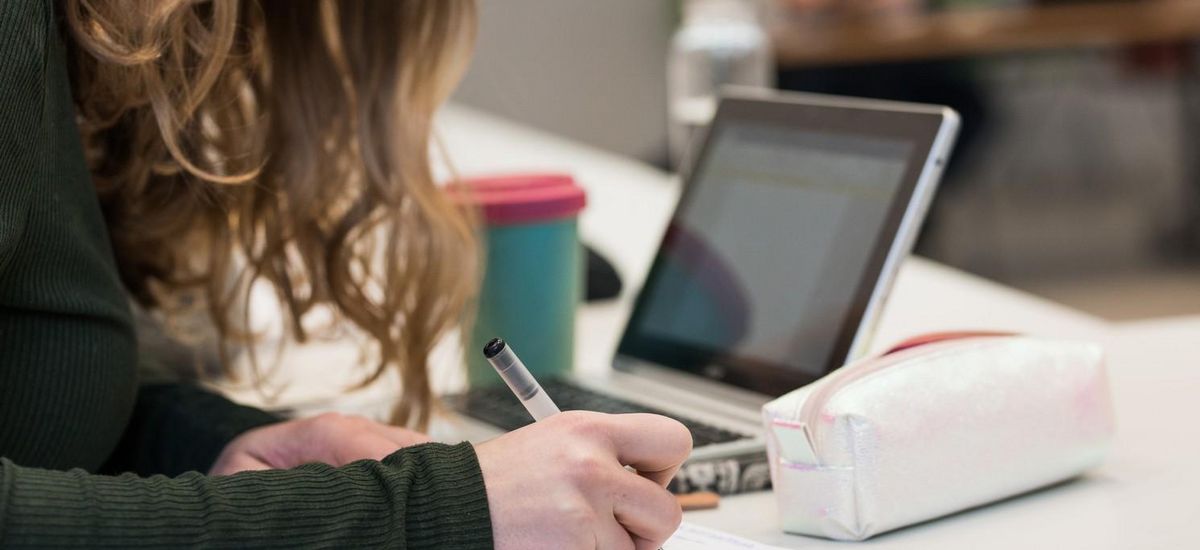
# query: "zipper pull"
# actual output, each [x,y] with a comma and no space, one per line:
[795,442]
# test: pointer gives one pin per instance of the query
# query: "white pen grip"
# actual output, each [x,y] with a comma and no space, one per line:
[540,406]
[522,384]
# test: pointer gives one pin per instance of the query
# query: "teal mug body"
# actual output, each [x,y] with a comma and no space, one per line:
[533,276]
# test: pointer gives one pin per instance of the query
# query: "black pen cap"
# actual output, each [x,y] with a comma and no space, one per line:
[493,347]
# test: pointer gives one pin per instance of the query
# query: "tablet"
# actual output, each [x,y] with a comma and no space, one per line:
[793,222]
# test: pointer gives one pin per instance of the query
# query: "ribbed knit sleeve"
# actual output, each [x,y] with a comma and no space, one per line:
[177,428]
[428,496]
[22,68]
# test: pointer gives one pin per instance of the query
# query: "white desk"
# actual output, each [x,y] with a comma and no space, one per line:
[1146,496]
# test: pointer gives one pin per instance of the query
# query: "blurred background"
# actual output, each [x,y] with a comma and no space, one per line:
[1076,176]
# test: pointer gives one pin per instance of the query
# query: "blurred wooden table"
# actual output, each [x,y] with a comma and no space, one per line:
[968,32]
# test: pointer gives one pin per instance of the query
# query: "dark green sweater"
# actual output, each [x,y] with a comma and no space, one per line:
[71,407]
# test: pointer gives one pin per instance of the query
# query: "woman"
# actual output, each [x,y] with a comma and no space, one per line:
[176,152]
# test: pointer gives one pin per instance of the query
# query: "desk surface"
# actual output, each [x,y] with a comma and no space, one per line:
[976,31]
[1146,496]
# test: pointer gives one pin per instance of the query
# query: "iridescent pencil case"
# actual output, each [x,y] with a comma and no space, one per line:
[933,429]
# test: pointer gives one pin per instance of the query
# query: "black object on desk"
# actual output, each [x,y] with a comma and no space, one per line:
[601,279]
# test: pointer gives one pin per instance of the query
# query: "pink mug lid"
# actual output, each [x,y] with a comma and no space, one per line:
[522,198]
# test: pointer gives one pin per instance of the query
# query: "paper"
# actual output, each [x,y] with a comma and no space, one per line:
[694,537]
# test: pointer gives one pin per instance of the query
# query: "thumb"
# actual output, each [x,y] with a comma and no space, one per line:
[237,462]
[402,437]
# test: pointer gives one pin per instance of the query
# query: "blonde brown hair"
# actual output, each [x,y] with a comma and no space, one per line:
[232,141]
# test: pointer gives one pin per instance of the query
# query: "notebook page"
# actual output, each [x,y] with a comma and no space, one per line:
[694,537]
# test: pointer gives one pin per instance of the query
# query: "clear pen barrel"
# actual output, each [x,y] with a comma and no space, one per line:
[523,384]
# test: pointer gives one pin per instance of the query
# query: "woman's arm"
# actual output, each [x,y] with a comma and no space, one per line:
[177,428]
[428,496]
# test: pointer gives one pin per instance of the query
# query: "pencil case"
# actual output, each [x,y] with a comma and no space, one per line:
[935,428]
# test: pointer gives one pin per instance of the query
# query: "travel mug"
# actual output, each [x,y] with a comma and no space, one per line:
[532,280]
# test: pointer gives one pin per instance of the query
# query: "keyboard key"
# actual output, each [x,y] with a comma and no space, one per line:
[497,406]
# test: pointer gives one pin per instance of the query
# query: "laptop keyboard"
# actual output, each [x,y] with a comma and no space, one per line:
[497,406]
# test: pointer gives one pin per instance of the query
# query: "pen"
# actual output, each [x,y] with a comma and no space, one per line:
[524,385]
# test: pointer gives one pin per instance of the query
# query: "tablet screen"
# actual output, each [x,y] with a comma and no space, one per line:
[766,258]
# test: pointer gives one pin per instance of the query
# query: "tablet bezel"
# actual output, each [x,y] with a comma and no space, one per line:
[930,130]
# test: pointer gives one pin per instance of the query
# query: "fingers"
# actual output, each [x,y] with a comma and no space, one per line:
[560,483]
[646,510]
[655,445]
[364,445]
[238,462]
[612,535]
[402,437]
[339,439]
[341,425]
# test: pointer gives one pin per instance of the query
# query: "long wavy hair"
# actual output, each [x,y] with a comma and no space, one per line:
[287,141]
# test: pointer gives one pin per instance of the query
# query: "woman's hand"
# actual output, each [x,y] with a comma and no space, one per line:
[331,438]
[561,483]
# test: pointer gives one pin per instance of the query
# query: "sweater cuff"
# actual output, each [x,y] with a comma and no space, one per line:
[447,505]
